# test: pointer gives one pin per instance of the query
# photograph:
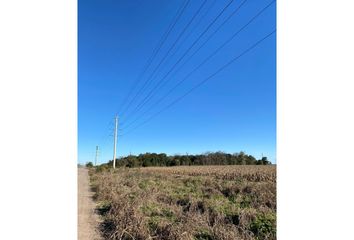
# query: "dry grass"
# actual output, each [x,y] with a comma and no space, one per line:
[199,202]
[226,172]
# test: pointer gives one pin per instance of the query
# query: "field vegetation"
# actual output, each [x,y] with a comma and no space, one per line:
[208,158]
[187,202]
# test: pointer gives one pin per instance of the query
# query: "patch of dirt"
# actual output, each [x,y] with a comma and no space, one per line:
[88,220]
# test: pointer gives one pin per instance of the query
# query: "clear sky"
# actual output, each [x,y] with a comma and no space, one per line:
[233,111]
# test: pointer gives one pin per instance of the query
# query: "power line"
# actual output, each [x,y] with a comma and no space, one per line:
[204,61]
[185,53]
[163,39]
[163,59]
[157,87]
[161,42]
[192,30]
[157,49]
[204,81]
[107,137]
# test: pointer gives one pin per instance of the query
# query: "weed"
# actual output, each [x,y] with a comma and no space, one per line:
[203,235]
[263,226]
[204,203]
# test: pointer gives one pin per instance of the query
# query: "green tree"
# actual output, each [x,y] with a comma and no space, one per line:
[89,164]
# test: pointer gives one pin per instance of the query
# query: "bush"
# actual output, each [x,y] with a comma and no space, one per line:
[264,226]
[102,168]
[89,165]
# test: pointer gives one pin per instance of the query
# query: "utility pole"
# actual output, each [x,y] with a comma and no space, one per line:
[96,157]
[115,141]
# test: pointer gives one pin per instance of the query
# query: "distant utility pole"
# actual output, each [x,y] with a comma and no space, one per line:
[96,157]
[115,141]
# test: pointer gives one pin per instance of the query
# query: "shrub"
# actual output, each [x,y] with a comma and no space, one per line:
[89,165]
[264,226]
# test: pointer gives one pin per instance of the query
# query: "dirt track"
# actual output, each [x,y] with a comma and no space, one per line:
[87,219]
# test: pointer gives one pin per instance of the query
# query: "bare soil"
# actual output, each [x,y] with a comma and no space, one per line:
[88,220]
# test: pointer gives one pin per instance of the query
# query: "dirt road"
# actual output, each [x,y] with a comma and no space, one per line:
[87,219]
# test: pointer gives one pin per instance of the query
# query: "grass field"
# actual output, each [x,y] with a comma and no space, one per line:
[196,202]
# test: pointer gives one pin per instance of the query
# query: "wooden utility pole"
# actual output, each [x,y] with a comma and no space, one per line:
[115,141]
[96,157]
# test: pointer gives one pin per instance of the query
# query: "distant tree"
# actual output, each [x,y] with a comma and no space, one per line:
[241,158]
[174,161]
[250,160]
[146,162]
[185,160]
[131,161]
[208,158]
[265,161]
[89,164]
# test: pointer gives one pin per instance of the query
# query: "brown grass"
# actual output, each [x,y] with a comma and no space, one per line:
[199,202]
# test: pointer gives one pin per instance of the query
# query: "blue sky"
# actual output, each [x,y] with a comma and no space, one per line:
[234,111]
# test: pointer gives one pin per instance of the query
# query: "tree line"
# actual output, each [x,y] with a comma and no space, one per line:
[164,160]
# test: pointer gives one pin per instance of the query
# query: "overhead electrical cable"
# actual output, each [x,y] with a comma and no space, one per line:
[163,39]
[156,50]
[186,52]
[163,83]
[193,29]
[146,83]
[203,62]
[202,82]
